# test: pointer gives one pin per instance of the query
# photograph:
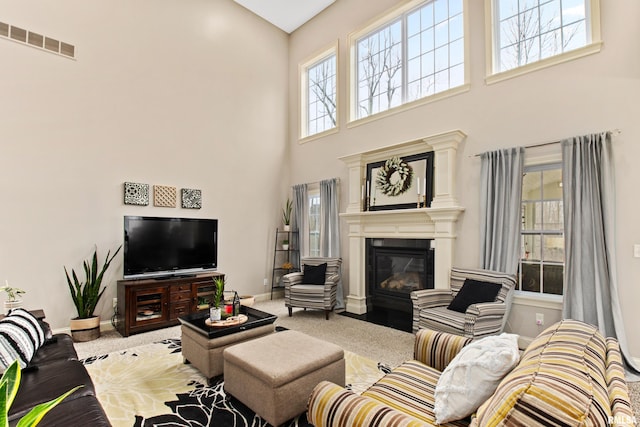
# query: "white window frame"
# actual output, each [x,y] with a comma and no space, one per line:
[537,156]
[313,193]
[493,75]
[375,25]
[303,90]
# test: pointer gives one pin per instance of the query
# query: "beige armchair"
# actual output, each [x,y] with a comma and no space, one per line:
[321,296]
[431,307]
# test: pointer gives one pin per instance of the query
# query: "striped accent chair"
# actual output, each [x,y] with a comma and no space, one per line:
[570,375]
[481,319]
[320,297]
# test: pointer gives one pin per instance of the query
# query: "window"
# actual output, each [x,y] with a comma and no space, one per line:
[319,94]
[314,223]
[531,31]
[413,54]
[542,247]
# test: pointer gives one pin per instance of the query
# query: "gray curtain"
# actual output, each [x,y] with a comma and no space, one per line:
[330,227]
[299,219]
[500,198]
[590,283]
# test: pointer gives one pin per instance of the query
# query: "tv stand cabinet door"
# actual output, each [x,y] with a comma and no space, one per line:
[148,308]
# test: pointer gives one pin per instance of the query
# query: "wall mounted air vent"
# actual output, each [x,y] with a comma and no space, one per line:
[30,38]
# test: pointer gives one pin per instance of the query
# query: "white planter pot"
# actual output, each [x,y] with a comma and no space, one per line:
[215,314]
[285,247]
[287,227]
[10,305]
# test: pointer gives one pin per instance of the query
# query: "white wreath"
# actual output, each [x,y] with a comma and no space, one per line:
[394,178]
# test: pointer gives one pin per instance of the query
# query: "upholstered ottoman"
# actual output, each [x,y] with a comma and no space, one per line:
[206,354]
[274,375]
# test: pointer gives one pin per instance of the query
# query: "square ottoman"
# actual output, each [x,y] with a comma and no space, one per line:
[274,375]
[206,354]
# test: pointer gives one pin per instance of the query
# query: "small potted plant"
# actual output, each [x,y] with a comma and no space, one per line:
[215,311]
[285,244]
[286,214]
[86,294]
[13,297]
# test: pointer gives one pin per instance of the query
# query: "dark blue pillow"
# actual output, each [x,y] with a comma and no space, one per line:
[314,274]
[472,292]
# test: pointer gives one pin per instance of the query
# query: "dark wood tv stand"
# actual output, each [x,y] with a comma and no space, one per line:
[148,304]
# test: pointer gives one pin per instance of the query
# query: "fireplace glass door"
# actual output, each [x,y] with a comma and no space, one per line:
[396,268]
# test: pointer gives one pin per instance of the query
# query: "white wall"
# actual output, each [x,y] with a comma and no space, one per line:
[191,94]
[597,93]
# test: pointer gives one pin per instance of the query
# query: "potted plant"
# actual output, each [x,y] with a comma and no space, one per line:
[9,384]
[86,294]
[215,311]
[286,214]
[13,297]
[285,244]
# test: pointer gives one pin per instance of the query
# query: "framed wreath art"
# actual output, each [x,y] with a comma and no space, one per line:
[396,182]
[395,177]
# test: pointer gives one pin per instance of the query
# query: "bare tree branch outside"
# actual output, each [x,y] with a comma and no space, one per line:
[530,32]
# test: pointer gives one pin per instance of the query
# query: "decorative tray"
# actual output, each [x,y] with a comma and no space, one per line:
[229,321]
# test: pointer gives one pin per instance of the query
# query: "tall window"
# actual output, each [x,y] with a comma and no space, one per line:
[314,223]
[412,55]
[542,249]
[319,83]
[529,31]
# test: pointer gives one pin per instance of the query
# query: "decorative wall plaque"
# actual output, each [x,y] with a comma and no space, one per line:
[191,199]
[164,196]
[136,194]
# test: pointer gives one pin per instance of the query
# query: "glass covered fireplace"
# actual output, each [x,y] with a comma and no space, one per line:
[395,268]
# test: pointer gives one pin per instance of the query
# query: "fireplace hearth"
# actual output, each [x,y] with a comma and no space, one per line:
[395,268]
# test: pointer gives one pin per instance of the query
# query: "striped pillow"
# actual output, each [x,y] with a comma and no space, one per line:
[20,337]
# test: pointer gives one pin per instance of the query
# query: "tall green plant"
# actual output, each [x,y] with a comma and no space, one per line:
[9,384]
[86,294]
[218,291]
[286,212]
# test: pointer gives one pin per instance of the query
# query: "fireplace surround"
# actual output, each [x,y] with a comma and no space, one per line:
[436,223]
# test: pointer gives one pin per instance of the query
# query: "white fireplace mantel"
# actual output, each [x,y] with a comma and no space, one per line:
[437,222]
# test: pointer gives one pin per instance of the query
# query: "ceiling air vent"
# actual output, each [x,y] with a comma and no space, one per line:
[11,32]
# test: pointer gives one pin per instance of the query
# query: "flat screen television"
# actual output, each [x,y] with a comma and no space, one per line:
[155,246]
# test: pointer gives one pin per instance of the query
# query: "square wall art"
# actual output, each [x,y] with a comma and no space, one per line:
[136,194]
[164,196]
[191,199]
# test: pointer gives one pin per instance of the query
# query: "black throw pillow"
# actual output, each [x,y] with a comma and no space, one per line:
[314,274]
[472,292]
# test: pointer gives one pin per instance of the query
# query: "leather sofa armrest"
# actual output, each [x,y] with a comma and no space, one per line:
[437,349]
[332,406]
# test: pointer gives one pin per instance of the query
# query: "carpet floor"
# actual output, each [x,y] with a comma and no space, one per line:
[150,385]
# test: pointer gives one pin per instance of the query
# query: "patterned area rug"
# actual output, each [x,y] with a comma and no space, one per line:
[151,386]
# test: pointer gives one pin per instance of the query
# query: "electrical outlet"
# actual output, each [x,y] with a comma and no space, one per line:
[266,282]
[115,302]
[539,319]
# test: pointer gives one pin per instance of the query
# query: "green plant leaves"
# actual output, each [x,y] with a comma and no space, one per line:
[86,294]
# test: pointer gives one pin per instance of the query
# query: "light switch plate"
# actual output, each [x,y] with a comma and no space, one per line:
[636,251]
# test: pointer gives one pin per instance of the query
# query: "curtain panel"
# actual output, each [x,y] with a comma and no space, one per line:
[330,227]
[590,282]
[500,199]
[299,219]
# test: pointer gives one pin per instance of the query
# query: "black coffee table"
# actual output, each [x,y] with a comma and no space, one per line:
[256,317]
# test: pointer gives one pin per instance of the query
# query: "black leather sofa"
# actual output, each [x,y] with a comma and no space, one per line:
[54,370]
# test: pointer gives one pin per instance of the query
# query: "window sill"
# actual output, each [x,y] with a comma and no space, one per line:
[553,302]
[318,135]
[545,63]
[409,105]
